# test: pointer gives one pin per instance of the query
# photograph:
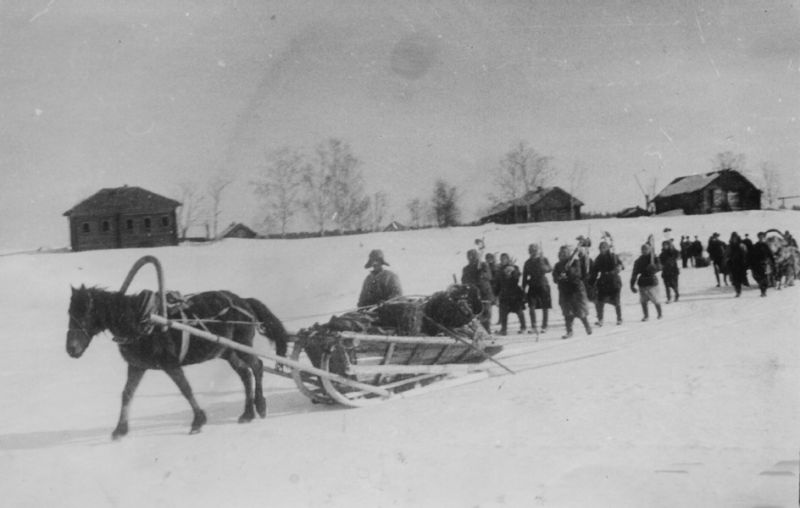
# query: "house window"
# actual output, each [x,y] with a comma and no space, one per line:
[105,226]
[164,221]
[147,224]
[129,225]
[85,228]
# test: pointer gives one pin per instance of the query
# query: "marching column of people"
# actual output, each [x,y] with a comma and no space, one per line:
[581,279]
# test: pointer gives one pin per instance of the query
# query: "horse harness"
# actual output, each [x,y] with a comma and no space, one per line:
[178,304]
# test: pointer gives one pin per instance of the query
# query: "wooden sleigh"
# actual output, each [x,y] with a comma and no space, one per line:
[359,368]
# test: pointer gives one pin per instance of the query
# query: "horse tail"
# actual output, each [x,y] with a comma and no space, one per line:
[270,326]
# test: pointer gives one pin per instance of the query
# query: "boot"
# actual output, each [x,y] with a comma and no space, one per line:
[645,312]
[588,328]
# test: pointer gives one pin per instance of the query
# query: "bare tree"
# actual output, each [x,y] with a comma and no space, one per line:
[576,178]
[728,160]
[520,171]
[216,186]
[416,211]
[280,186]
[445,204]
[772,183]
[334,187]
[191,210]
[380,203]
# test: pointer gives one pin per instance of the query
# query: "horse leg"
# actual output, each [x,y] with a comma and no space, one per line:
[257,367]
[135,375]
[179,378]
[243,369]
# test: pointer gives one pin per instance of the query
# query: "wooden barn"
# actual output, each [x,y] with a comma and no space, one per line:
[237,230]
[123,217]
[718,191]
[632,212]
[542,204]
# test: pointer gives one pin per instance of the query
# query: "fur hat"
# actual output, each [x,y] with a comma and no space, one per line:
[375,256]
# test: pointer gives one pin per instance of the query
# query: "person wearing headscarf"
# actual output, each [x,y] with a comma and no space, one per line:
[569,275]
[535,285]
[380,284]
[605,277]
[644,276]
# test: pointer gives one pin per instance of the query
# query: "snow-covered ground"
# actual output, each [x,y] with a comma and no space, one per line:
[699,409]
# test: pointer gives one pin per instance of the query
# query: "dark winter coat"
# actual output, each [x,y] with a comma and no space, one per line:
[378,287]
[762,260]
[644,271]
[510,295]
[605,277]
[479,275]
[569,277]
[736,256]
[669,262]
[534,280]
[716,250]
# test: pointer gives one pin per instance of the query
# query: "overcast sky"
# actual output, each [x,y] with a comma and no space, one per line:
[99,93]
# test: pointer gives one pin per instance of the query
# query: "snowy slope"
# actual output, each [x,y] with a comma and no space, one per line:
[698,409]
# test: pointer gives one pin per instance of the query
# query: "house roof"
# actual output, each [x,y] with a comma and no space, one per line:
[123,199]
[692,183]
[531,198]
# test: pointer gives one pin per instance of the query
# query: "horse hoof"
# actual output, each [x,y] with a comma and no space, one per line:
[261,408]
[119,433]
[195,430]
[246,418]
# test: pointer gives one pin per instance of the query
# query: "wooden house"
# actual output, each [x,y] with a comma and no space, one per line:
[542,204]
[123,217]
[719,191]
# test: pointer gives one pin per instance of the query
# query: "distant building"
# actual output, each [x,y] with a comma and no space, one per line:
[123,217]
[542,204]
[633,211]
[395,226]
[237,230]
[718,191]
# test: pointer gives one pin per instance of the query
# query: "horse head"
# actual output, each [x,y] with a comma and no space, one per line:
[83,323]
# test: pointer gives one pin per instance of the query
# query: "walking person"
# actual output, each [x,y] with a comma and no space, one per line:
[535,285]
[380,285]
[762,263]
[510,297]
[494,271]
[568,275]
[644,273]
[605,277]
[669,269]
[685,246]
[476,273]
[737,262]
[697,252]
[716,252]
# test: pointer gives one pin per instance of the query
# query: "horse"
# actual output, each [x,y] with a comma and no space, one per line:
[146,346]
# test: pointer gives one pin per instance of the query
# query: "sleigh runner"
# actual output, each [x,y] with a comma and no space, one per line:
[366,348]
